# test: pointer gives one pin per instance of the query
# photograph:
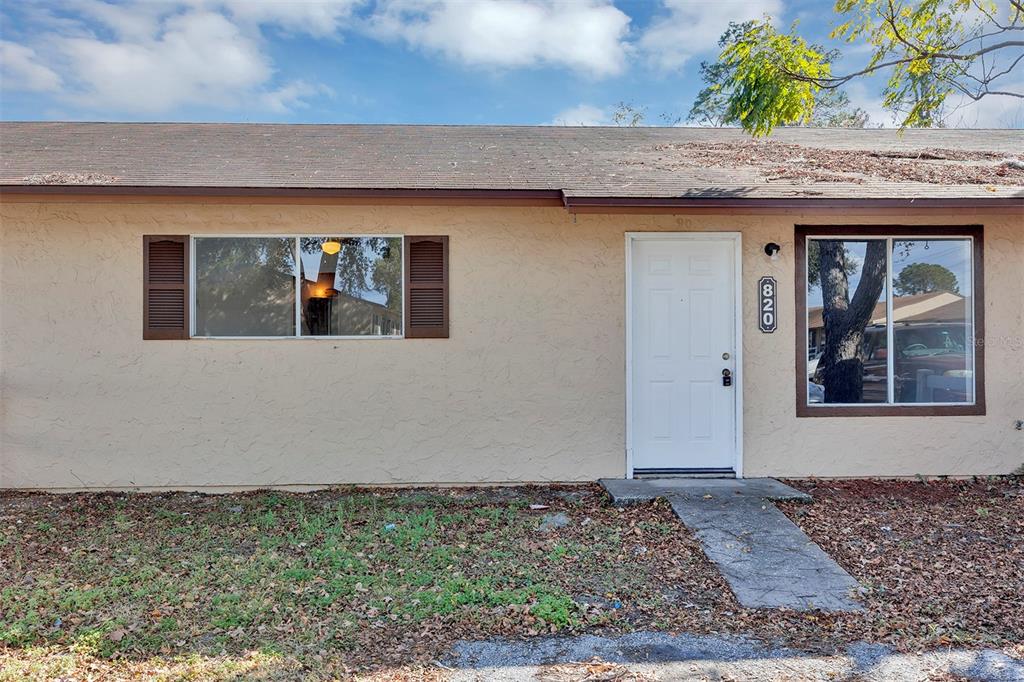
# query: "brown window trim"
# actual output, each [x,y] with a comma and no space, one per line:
[802,232]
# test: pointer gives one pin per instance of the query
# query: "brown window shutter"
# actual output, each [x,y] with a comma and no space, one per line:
[165,273]
[426,287]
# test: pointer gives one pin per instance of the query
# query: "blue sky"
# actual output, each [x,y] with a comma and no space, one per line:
[382,61]
[953,254]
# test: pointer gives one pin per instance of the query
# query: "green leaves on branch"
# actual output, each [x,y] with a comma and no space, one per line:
[765,94]
[911,39]
[929,50]
[832,108]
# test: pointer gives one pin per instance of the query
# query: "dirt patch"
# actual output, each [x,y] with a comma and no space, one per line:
[795,163]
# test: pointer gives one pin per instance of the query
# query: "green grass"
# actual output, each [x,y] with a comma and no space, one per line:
[143,576]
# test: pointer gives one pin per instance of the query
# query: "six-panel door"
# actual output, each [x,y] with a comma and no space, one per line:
[683,340]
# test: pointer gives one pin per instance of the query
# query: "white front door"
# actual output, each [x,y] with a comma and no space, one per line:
[683,340]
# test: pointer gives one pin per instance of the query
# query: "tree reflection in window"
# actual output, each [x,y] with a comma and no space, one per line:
[851,278]
[849,326]
[245,286]
[355,292]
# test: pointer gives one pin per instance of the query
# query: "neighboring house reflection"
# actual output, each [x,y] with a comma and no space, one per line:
[933,360]
[329,312]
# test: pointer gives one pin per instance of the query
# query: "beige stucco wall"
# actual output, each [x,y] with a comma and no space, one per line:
[530,386]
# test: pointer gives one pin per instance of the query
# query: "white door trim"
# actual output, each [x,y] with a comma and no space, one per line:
[737,240]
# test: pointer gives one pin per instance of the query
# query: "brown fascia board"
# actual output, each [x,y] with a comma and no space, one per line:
[1013,204]
[468,196]
[515,197]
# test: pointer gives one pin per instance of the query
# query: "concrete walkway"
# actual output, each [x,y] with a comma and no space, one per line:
[661,656]
[766,559]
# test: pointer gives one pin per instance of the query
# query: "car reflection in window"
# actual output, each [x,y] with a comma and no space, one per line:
[932,362]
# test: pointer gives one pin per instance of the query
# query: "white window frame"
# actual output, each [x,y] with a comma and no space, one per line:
[298,287]
[889,328]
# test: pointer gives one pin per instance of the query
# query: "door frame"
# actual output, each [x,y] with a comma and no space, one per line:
[737,240]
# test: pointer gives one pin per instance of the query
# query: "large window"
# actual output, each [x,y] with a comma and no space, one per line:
[334,286]
[891,321]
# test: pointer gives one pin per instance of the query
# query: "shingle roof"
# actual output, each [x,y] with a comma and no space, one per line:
[580,162]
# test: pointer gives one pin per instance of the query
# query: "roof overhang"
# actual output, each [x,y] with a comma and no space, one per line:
[790,204]
[506,197]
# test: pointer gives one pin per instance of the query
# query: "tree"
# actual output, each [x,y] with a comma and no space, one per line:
[924,278]
[930,49]
[814,262]
[711,107]
[841,367]
[629,116]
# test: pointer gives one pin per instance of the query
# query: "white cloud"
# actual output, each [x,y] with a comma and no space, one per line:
[991,111]
[961,112]
[132,21]
[871,102]
[20,69]
[194,58]
[292,96]
[691,28]
[582,115]
[585,35]
[151,58]
[320,18]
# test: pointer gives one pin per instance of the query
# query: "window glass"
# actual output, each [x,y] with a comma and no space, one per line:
[846,300]
[932,321]
[245,286]
[351,286]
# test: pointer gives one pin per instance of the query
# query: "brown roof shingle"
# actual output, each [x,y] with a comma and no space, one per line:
[590,162]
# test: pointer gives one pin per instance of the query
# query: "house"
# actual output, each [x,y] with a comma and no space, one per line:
[221,306]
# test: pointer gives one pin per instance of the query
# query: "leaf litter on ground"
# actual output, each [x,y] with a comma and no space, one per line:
[331,583]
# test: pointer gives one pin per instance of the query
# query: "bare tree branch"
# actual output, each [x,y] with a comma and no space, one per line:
[1005,71]
[984,10]
[1003,93]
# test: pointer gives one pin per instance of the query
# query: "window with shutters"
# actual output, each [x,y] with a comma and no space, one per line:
[330,286]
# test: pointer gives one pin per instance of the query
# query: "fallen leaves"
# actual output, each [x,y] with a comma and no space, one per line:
[356,580]
[796,163]
[592,671]
[67,178]
[942,561]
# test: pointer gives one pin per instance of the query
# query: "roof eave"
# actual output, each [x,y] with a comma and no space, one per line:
[521,197]
[1013,204]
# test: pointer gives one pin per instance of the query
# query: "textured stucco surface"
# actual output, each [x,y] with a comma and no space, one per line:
[530,386]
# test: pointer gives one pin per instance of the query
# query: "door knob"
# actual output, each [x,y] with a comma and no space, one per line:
[726,377]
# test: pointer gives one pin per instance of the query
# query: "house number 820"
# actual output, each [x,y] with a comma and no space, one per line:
[766,320]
